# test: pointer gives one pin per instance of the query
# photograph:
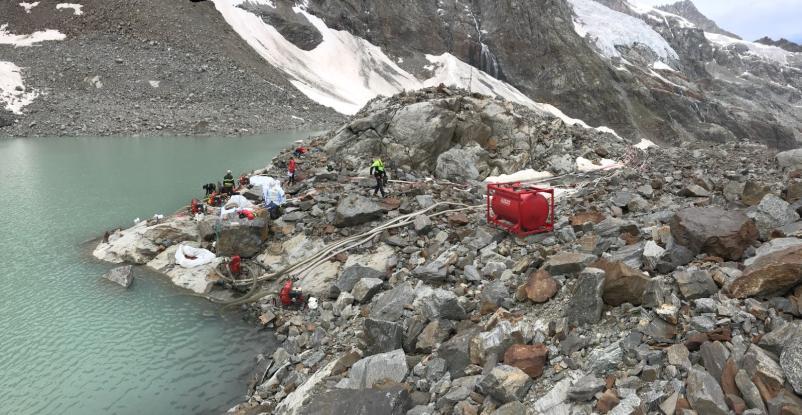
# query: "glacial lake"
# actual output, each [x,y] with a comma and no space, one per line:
[73,343]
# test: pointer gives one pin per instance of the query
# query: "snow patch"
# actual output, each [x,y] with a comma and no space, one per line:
[13,94]
[644,144]
[609,28]
[76,8]
[585,165]
[154,84]
[660,66]
[28,6]
[7,38]
[767,52]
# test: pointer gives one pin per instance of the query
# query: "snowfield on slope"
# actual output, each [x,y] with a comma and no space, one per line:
[344,71]
[772,53]
[13,96]
[7,38]
[608,28]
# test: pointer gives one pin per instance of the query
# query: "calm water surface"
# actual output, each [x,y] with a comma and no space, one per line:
[72,343]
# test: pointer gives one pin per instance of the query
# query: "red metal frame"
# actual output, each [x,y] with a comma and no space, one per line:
[514,191]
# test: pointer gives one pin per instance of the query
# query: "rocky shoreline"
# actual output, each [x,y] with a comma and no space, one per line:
[671,283]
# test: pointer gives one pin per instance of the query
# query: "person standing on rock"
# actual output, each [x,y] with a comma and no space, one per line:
[377,170]
[291,171]
[228,183]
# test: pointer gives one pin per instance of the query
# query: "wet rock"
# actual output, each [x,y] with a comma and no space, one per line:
[394,400]
[567,263]
[622,284]
[695,283]
[586,303]
[355,210]
[349,277]
[389,305]
[121,275]
[714,231]
[505,384]
[585,388]
[366,288]
[382,336]
[539,287]
[791,363]
[529,358]
[704,393]
[390,366]
[772,212]
[242,237]
[771,274]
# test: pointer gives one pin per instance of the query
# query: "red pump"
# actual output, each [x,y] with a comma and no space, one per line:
[290,297]
[520,210]
[235,266]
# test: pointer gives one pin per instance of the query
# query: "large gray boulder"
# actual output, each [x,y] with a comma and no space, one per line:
[458,164]
[456,352]
[421,132]
[772,212]
[714,231]
[355,210]
[505,384]
[389,305]
[586,303]
[349,277]
[121,275]
[394,400]
[791,159]
[695,283]
[379,368]
[705,394]
[382,336]
[791,363]
[242,237]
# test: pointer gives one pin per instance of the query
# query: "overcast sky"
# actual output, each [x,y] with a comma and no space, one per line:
[751,19]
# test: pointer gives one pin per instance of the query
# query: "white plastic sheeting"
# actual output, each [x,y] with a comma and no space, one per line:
[191,257]
[235,204]
[274,194]
[263,181]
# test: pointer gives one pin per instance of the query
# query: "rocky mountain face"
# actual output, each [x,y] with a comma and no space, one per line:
[781,43]
[708,89]
[688,10]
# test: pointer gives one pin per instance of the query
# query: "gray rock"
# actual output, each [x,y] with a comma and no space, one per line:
[512,408]
[772,212]
[605,359]
[460,390]
[433,334]
[494,294]
[121,275]
[424,201]
[377,368]
[456,352]
[703,324]
[567,263]
[505,384]
[651,255]
[366,288]
[693,190]
[585,388]
[695,283]
[348,278]
[714,355]
[389,305]
[442,304]
[459,164]
[422,224]
[390,401]
[704,393]
[714,231]
[791,363]
[677,355]
[749,391]
[632,255]
[421,410]
[776,340]
[758,363]
[241,237]
[586,303]
[382,336]
[355,210]
[791,159]
[432,271]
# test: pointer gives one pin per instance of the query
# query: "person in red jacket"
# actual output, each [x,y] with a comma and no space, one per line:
[291,170]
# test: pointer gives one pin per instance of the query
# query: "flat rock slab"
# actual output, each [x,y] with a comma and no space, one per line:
[355,210]
[772,274]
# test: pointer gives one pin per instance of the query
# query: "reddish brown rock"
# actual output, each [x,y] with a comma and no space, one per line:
[539,288]
[458,219]
[735,403]
[581,218]
[772,274]
[714,231]
[529,358]
[728,378]
[622,284]
[607,402]
[695,341]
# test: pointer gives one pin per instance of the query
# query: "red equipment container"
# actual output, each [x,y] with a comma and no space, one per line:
[235,265]
[520,210]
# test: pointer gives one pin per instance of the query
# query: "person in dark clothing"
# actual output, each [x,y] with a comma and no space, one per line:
[228,183]
[377,170]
